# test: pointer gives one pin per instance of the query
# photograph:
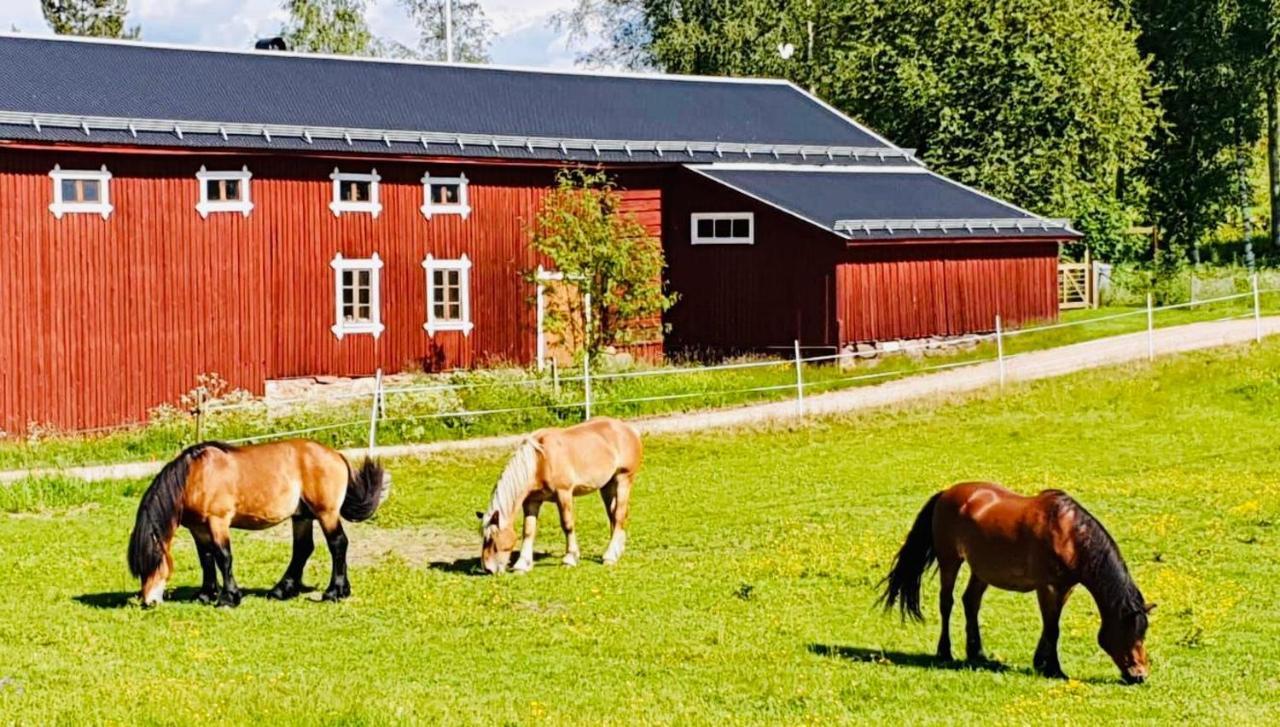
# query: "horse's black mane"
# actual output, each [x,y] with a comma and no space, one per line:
[1101,567]
[160,510]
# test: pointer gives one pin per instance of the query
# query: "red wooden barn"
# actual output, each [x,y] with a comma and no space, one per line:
[169,211]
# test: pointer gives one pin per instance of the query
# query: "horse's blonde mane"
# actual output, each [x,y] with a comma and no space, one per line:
[514,483]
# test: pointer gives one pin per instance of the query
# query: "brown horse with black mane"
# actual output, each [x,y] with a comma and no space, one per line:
[1047,543]
[213,487]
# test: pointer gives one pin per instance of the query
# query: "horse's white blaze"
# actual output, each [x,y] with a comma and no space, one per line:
[155,595]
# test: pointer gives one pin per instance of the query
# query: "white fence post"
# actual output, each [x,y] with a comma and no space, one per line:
[1000,347]
[541,316]
[1257,310]
[373,410]
[799,380]
[586,381]
[586,349]
[1151,328]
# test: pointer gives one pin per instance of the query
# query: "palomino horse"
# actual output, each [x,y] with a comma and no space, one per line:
[213,487]
[1047,543]
[559,464]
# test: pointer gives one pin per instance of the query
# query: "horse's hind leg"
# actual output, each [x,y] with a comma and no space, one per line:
[220,530]
[617,503]
[564,500]
[339,588]
[972,600]
[1046,661]
[948,568]
[290,584]
[209,570]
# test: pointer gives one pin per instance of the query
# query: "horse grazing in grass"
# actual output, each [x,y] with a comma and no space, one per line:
[1047,543]
[213,487]
[560,464]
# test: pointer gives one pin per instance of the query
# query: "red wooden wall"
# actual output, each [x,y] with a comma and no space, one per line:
[912,291]
[742,297]
[800,282]
[101,320]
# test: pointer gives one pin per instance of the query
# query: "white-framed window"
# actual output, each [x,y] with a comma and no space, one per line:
[224,191]
[81,191]
[354,192]
[357,306]
[445,196]
[722,228]
[448,295]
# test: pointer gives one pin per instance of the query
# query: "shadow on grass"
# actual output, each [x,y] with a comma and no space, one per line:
[181,594]
[918,661]
[472,567]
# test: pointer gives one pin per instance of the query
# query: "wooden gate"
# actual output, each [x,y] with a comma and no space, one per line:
[1076,286]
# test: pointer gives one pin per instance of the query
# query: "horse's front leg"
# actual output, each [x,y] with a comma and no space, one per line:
[220,530]
[204,548]
[1052,600]
[564,500]
[972,600]
[525,562]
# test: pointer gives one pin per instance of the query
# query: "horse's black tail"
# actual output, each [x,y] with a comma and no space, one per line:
[902,585]
[366,489]
[160,511]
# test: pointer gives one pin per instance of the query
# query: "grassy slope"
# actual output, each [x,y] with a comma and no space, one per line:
[751,557]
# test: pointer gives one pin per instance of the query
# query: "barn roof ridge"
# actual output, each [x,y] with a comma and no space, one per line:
[116,79]
[304,55]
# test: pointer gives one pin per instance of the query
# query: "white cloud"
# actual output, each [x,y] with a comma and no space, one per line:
[524,35]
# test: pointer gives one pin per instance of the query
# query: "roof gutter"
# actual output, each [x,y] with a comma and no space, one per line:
[438,141]
[853,228]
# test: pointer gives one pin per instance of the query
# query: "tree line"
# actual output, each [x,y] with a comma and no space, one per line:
[1122,115]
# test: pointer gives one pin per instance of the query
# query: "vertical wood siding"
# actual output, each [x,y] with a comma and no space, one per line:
[800,282]
[101,320]
[913,291]
[744,297]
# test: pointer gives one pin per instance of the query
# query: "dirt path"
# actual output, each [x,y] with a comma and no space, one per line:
[1022,367]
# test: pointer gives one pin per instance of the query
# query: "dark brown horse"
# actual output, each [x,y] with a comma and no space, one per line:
[213,487]
[1047,543]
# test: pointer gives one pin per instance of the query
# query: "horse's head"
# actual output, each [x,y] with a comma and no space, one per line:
[153,583]
[498,539]
[1122,637]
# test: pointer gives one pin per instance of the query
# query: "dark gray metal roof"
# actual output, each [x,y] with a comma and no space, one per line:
[888,203]
[106,84]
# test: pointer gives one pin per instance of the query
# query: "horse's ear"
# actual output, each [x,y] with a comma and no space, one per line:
[479,515]
[1149,607]
[494,520]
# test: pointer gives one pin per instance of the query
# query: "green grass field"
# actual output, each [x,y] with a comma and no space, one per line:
[747,593]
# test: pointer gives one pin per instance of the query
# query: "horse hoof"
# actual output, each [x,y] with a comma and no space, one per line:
[570,560]
[522,567]
[207,597]
[336,594]
[609,560]
[229,600]
[284,590]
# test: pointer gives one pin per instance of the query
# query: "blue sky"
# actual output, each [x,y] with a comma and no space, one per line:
[524,37]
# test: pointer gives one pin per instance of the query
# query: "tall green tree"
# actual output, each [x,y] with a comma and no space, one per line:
[91,18]
[329,26]
[1047,103]
[606,256]
[1207,61]
[472,32]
